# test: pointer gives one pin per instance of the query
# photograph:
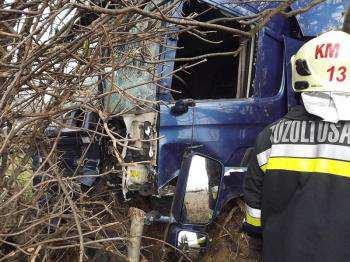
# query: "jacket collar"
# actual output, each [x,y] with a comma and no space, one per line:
[299,113]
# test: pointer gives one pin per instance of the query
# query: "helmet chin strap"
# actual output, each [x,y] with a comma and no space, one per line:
[331,107]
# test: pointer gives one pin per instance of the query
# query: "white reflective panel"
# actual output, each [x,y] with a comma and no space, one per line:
[198,176]
[201,190]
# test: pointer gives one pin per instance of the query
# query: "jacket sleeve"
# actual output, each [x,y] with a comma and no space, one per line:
[253,183]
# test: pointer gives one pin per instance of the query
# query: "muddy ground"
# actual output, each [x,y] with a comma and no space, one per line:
[227,242]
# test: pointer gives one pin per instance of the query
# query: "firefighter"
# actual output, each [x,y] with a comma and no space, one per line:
[297,189]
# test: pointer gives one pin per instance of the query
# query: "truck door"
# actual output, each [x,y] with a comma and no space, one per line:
[235,96]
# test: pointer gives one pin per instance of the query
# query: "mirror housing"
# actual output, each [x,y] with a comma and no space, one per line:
[192,240]
[181,106]
[197,190]
[188,239]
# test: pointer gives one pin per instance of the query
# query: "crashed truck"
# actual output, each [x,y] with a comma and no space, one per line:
[194,147]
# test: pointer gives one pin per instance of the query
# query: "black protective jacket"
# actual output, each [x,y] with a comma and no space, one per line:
[297,189]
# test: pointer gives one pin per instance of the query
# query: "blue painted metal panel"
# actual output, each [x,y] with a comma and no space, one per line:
[242,8]
[269,65]
[263,5]
[226,128]
[247,9]
[231,7]
[223,129]
[321,18]
[175,134]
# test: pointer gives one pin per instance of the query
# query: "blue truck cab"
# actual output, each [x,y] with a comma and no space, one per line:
[224,103]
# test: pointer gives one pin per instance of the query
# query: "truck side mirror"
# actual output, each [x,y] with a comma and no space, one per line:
[197,191]
[181,106]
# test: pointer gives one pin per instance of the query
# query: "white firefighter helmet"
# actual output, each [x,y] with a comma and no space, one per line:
[323,64]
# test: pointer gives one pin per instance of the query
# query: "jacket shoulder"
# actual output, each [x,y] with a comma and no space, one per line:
[264,139]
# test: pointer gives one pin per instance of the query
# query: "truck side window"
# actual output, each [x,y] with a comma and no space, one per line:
[220,76]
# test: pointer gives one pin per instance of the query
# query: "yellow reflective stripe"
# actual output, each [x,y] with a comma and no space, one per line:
[263,168]
[254,221]
[318,165]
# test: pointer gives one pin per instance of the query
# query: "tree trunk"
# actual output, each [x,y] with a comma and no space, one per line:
[137,217]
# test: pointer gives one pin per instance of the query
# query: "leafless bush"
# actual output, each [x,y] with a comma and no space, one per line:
[54,57]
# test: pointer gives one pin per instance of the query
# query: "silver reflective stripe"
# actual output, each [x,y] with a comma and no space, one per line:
[253,212]
[86,139]
[312,151]
[263,157]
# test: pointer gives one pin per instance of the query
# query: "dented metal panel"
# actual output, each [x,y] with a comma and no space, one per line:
[224,128]
[245,8]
